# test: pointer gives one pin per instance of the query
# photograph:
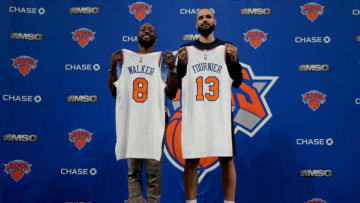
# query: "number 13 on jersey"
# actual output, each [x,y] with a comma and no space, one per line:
[212,92]
[140,90]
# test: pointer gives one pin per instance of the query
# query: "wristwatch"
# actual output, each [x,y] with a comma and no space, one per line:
[173,71]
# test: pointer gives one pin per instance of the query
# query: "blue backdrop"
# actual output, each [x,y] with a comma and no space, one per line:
[296,114]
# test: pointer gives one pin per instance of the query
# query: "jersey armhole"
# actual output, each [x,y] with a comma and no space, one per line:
[160,58]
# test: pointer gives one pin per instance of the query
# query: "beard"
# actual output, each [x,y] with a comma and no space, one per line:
[206,31]
[146,43]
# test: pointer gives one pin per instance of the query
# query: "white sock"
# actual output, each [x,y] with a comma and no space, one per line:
[225,201]
[191,201]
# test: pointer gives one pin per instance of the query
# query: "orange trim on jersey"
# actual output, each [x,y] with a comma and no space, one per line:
[187,55]
[159,58]
[205,50]
[225,53]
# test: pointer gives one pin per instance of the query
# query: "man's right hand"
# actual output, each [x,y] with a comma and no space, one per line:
[116,56]
[181,54]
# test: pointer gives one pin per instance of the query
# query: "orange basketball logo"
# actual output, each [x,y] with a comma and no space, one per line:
[140,10]
[313,99]
[312,10]
[255,37]
[24,64]
[80,137]
[17,168]
[83,36]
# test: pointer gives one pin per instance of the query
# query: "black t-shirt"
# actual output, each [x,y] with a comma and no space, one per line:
[234,68]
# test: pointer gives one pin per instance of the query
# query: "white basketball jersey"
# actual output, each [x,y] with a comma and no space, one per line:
[206,104]
[140,107]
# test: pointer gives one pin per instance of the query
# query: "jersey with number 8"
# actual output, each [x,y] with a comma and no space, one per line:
[206,104]
[140,106]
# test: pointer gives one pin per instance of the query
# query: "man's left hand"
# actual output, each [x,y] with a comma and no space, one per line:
[169,59]
[232,51]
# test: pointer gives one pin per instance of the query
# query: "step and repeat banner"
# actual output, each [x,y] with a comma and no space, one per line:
[296,114]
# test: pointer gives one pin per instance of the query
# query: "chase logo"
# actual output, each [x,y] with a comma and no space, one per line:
[13,9]
[78,171]
[129,38]
[305,40]
[312,10]
[255,37]
[80,137]
[82,67]
[24,64]
[21,98]
[83,36]
[315,142]
[192,11]
[140,10]
[316,200]
[17,169]
[250,109]
[313,99]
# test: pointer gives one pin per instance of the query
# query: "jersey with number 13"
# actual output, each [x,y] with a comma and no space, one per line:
[206,104]
[140,106]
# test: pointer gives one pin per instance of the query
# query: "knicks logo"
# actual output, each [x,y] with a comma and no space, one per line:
[17,169]
[255,37]
[80,137]
[24,64]
[250,111]
[140,9]
[83,36]
[313,99]
[316,200]
[312,10]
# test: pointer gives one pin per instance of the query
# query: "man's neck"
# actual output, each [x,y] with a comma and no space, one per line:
[207,39]
[145,50]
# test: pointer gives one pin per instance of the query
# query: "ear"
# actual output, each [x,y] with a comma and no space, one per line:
[215,21]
